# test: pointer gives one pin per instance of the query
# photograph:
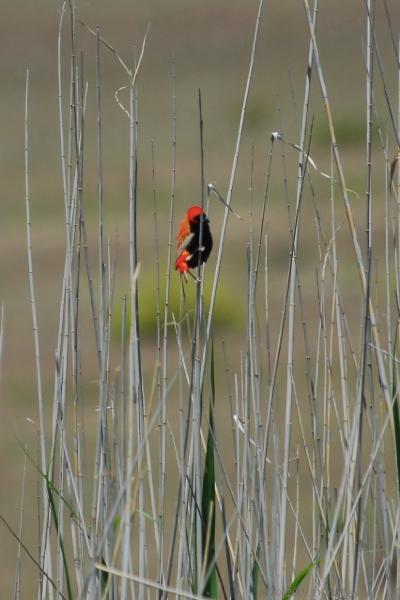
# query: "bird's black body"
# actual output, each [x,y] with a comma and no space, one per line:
[193,245]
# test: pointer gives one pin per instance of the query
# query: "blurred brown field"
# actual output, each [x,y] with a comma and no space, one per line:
[208,45]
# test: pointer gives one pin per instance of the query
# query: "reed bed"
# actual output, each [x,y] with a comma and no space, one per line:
[301,498]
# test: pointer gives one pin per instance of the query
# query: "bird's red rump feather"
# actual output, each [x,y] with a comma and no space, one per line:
[181,263]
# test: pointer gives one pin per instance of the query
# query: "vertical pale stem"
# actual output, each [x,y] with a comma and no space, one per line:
[100,195]
[45,559]
[230,190]
[349,215]
[163,418]
[291,325]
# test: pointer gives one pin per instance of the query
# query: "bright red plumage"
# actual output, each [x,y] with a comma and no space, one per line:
[188,240]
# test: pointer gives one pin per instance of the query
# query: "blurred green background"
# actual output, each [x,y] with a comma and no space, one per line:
[211,44]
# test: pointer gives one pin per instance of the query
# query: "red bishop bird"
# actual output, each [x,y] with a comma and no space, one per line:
[190,254]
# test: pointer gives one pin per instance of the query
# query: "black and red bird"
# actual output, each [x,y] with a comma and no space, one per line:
[190,254]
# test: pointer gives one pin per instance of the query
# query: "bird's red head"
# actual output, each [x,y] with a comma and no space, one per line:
[194,212]
[191,220]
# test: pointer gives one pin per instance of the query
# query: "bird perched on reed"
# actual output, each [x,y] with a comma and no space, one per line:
[193,251]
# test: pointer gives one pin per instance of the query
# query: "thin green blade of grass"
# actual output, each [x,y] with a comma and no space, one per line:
[49,488]
[254,575]
[208,500]
[50,485]
[31,556]
[294,586]
[396,422]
